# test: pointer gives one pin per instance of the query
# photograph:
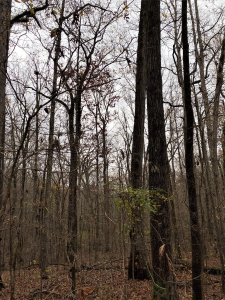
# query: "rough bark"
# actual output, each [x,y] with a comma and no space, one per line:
[138,263]
[197,293]
[5,15]
[159,179]
[73,177]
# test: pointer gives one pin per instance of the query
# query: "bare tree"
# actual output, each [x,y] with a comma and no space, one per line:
[159,177]
[189,163]
[5,14]
[138,263]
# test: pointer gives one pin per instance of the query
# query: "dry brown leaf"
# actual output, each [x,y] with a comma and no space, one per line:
[161,251]
[84,292]
[53,32]
[170,264]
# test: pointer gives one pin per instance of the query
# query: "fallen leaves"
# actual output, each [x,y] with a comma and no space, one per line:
[84,292]
[161,251]
[99,285]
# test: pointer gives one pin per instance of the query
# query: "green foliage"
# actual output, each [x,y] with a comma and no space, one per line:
[32,9]
[158,196]
[148,200]
[134,203]
[131,199]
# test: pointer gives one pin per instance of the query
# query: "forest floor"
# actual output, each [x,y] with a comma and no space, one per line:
[102,284]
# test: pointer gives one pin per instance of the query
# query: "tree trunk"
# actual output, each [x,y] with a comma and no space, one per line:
[51,146]
[36,193]
[106,184]
[159,178]
[73,177]
[97,239]
[189,162]
[5,16]
[138,263]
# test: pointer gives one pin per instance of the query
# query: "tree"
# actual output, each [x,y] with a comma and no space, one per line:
[6,22]
[189,165]
[51,145]
[85,70]
[5,15]
[138,263]
[159,178]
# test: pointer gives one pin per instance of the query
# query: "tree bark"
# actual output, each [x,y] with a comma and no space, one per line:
[73,177]
[197,292]
[138,263]
[159,178]
[5,16]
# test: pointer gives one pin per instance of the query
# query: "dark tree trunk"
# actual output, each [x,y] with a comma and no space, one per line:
[73,177]
[189,162]
[106,184]
[97,239]
[159,178]
[5,15]
[138,263]
[36,193]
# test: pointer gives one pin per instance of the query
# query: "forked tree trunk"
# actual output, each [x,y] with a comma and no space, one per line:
[164,287]
[138,263]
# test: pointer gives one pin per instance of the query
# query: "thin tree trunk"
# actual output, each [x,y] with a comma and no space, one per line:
[35,171]
[35,214]
[74,161]
[51,145]
[174,227]
[211,127]
[106,185]
[206,171]
[97,241]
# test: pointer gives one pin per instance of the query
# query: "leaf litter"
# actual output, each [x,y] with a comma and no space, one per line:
[100,284]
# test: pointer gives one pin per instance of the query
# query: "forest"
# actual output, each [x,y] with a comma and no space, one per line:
[112,149]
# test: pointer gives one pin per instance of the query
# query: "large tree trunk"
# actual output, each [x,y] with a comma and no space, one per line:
[189,162]
[159,178]
[5,15]
[138,263]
